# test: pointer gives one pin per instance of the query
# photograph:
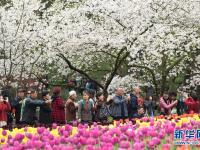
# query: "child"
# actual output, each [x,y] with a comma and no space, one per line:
[85,108]
[4,108]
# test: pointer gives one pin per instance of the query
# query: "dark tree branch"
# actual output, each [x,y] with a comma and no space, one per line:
[143,32]
[174,64]
[118,63]
[78,70]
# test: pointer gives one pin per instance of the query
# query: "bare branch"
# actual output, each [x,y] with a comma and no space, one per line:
[118,63]
[79,70]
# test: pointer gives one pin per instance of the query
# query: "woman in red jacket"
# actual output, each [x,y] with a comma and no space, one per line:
[58,107]
[4,108]
[192,104]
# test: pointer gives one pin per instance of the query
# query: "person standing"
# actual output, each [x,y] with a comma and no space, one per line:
[192,103]
[85,108]
[28,94]
[101,108]
[119,105]
[149,106]
[4,108]
[135,104]
[58,107]
[71,107]
[166,104]
[28,110]
[45,110]
[17,104]
[173,98]
[181,107]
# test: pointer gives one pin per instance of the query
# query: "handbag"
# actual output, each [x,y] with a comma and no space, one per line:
[104,112]
[174,111]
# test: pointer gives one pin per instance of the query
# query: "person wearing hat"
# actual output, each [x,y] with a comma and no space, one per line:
[17,104]
[70,107]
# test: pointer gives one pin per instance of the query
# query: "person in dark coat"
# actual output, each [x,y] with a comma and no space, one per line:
[29,108]
[45,110]
[101,108]
[58,107]
[135,106]
[17,104]
[149,106]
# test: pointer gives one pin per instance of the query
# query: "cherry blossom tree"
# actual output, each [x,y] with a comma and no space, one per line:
[94,37]
[21,40]
[148,40]
[154,37]
[170,45]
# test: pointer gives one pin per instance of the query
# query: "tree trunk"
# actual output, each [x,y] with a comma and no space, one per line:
[163,84]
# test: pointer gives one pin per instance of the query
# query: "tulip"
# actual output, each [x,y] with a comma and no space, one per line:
[137,146]
[4,132]
[151,145]
[130,133]
[170,130]
[166,147]
[91,141]
[90,147]
[115,140]
[3,140]
[124,144]
[54,125]
[40,130]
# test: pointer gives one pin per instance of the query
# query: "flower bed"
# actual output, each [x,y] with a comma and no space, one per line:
[146,133]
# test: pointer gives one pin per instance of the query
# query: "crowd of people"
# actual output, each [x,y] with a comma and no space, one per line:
[27,109]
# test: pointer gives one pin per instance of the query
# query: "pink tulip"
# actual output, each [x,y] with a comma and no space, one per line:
[29,135]
[161,135]
[54,125]
[89,147]
[4,132]
[2,140]
[130,133]
[83,140]
[40,130]
[151,145]
[123,137]
[156,141]
[153,133]
[124,144]
[91,141]
[142,145]
[170,130]
[136,146]
[166,147]
[48,147]
[115,140]
[145,130]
